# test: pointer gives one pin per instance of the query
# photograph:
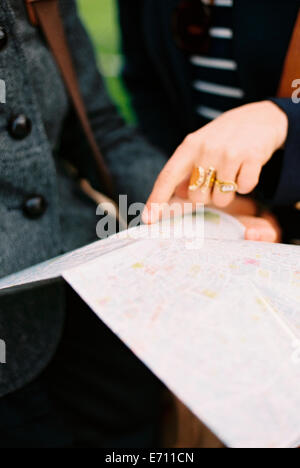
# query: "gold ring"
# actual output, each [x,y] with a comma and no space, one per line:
[226,187]
[210,180]
[197,178]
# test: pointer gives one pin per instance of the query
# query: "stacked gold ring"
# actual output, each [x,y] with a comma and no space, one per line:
[205,180]
[197,178]
[211,175]
[226,187]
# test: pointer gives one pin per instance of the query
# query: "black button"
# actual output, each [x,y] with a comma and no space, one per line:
[34,206]
[19,126]
[3,38]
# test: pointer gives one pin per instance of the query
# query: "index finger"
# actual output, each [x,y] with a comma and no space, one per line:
[175,171]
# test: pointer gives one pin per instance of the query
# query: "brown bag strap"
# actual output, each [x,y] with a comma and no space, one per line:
[46,14]
[291,69]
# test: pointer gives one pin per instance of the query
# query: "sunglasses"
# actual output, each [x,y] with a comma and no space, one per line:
[191,23]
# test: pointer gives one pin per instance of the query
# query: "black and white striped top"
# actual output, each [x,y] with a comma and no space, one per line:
[216,86]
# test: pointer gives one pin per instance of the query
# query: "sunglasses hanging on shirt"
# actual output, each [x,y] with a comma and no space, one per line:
[191,22]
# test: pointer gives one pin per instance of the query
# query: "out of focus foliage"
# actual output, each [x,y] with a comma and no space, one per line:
[100,18]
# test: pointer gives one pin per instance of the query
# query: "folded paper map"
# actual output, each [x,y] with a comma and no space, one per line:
[217,322]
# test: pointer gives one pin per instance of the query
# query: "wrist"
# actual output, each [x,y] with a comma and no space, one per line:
[280,123]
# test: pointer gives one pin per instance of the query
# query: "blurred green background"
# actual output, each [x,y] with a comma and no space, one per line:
[100,18]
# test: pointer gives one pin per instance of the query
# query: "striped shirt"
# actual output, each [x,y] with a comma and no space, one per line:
[215,79]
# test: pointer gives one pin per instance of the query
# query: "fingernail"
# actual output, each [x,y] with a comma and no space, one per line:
[152,213]
[253,235]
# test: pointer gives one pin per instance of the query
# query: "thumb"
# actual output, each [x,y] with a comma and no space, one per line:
[258,229]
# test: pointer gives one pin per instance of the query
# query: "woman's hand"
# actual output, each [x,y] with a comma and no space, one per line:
[237,144]
[262,229]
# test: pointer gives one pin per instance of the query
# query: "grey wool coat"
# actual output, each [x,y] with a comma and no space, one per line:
[31,321]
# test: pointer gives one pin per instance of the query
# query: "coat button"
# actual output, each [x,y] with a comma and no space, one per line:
[3,38]
[34,206]
[19,126]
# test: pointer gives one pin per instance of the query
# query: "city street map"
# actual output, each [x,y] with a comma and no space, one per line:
[215,317]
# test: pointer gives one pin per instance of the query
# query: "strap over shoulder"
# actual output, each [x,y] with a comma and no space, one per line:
[31,12]
[46,15]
